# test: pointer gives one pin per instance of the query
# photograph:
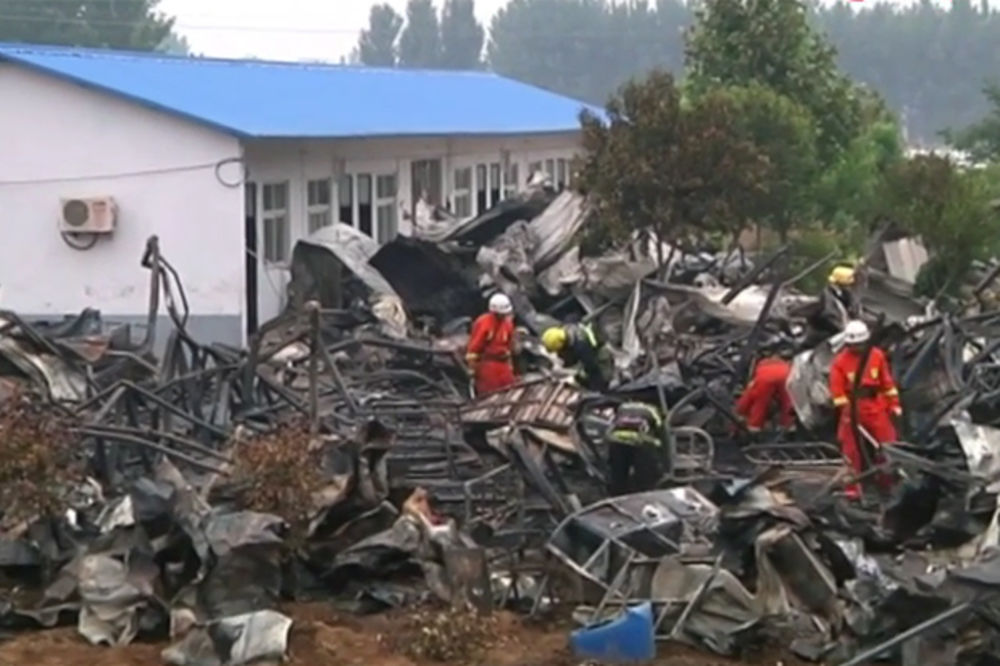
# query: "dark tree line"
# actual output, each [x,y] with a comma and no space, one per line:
[928,62]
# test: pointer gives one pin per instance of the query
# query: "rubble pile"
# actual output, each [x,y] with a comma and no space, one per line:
[342,456]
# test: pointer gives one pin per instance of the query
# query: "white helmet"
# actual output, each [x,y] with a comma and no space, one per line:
[500,304]
[856,332]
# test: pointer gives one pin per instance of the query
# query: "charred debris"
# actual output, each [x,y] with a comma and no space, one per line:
[186,494]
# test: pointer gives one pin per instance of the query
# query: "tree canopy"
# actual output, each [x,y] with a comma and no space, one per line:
[682,169]
[461,35]
[377,43]
[771,43]
[133,25]
[420,42]
[453,41]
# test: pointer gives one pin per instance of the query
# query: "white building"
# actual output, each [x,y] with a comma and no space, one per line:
[230,162]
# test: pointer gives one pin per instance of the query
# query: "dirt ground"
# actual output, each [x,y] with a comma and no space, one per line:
[323,637]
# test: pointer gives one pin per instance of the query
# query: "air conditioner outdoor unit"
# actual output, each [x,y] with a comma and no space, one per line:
[92,215]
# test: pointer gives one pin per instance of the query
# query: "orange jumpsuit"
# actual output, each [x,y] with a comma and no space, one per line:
[767,388]
[877,400]
[490,352]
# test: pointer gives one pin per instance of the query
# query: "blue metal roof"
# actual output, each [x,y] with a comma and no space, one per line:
[255,98]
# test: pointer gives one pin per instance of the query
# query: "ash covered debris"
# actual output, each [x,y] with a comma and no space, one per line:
[343,455]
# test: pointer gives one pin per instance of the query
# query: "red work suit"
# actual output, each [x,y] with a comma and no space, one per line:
[490,352]
[877,401]
[767,388]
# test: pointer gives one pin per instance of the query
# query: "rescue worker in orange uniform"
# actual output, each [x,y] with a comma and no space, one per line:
[876,399]
[767,391]
[490,353]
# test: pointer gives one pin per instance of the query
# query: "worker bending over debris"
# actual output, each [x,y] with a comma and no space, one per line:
[491,347]
[635,443]
[578,345]
[767,393]
[875,399]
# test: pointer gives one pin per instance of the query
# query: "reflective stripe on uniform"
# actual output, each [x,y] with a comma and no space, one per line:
[636,423]
[840,401]
[589,332]
[632,438]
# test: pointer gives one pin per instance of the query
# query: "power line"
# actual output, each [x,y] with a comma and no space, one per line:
[217,165]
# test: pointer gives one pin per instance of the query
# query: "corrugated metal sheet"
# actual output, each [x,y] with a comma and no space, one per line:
[295,100]
[904,258]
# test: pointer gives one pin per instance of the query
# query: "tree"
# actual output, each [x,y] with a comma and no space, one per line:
[847,194]
[420,43]
[771,43]
[982,140]
[175,45]
[586,49]
[950,208]
[461,35]
[784,132]
[377,44]
[134,25]
[657,163]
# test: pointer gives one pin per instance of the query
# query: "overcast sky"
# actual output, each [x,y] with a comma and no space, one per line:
[290,29]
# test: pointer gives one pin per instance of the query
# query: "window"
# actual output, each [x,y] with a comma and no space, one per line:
[481,201]
[318,204]
[275,218]
[462,193]
[345,199]
[365,203]
[385,207]
[550,169]
[562,175]
[495,184]
[510,181]
[534,168]
[427,178]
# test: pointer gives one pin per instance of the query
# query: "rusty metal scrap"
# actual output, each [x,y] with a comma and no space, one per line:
[542,403]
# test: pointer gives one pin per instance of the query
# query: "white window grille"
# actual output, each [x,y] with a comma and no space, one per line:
[318,204]
[274,216]
[385,207]
[461,197]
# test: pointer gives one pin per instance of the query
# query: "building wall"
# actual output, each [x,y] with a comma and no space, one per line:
[294,164]
[63,140]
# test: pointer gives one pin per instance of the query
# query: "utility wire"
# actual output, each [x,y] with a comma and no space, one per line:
[217,165]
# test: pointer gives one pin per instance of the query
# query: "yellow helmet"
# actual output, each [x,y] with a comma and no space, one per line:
[842,276]
[554,339]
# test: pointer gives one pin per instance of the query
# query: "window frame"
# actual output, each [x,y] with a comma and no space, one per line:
[511,180]
[462,192]
[316,209]
[386,202]
[271,217]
